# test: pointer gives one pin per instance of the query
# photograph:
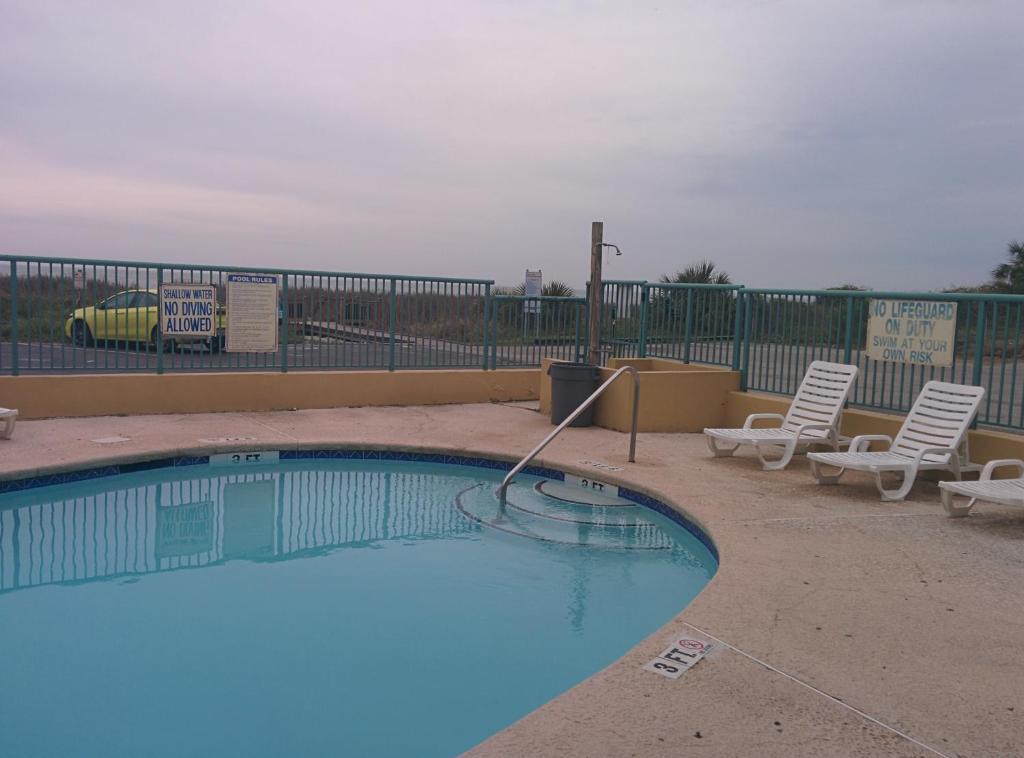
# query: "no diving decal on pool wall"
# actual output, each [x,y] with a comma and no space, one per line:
[685,652]
[593,485]
[245,459]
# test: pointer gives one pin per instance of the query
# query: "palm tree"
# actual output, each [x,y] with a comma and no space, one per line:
[701,272]
[1009,277]
[707,313]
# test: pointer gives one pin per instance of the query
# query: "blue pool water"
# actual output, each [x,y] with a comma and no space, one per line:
[335,607]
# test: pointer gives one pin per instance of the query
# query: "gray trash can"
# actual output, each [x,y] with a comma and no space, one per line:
[571,384]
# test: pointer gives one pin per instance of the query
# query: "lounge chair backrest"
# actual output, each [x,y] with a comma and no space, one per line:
[821,395]
[940,417]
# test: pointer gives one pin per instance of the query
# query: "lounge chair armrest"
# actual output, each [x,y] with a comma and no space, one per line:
[986,473]
[749,423]
[823,427]
[857,442]
[950,451]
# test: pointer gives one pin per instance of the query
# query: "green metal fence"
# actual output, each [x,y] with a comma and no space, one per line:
[684,322]
[784,330]
[76,315]
[80,315]
[50,323]
[523,330]
[772,335]
[623,315]
[691,322]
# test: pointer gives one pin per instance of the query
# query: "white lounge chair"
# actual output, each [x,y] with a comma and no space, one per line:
[813,418]
[933,436]
[7,418]
[1003,491]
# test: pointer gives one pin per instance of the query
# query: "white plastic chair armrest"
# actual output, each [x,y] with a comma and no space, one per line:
[856,442]
[748,424]
[950,451]
[986,473]
[823,427]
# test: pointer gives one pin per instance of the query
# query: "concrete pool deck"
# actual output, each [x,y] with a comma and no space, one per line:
[849,627]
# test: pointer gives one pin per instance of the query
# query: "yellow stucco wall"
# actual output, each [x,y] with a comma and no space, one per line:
[96,395]
[662,364]
[674,397]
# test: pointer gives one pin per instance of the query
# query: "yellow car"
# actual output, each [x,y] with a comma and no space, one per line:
[129,316]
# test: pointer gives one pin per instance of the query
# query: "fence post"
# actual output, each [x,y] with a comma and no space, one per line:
[284,323]
[392,317]
[979,345]
[577,355]
[487,313]
[159,325]
[688,329]
[644,297]
[15,368]
[848,344]
[495,307]
[747,311]
[737,331]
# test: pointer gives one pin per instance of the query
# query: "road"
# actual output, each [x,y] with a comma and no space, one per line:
[310,354]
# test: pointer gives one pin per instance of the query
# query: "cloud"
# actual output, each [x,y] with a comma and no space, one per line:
[796,144]
[37,188]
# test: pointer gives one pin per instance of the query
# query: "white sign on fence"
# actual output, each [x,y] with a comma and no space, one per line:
[534,288]
[188,310]
[252,313]
[912,331]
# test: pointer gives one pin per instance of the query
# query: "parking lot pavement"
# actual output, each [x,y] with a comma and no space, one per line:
[58,357]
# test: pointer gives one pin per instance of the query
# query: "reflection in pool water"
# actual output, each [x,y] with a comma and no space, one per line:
[407,628]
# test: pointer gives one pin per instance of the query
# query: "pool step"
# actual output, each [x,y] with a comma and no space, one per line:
[580,495]
[532,513]
[623,514]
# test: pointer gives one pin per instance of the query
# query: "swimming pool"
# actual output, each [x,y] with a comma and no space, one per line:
[330,602]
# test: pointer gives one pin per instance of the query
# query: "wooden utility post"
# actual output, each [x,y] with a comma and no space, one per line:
[594,294]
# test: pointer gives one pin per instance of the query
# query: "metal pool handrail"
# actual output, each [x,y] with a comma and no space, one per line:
[503,489]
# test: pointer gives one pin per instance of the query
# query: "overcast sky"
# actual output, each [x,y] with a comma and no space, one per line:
[798,144]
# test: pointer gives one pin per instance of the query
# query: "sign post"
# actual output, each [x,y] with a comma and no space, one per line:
[534,288]
[921,332]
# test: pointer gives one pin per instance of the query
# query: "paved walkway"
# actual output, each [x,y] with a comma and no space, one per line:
[850,627]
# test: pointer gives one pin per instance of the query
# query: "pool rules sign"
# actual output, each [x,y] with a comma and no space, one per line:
[252,313]
[921,332]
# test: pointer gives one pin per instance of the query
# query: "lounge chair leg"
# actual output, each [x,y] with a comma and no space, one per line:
[787,455]
[720,452]
[819,473]
[901,492]
[952,509]
[8,427]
